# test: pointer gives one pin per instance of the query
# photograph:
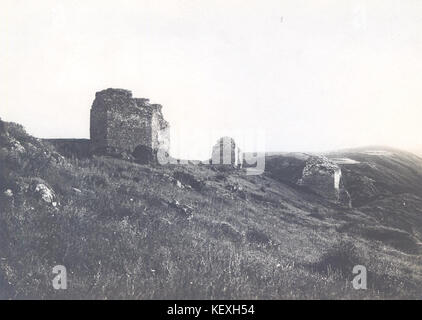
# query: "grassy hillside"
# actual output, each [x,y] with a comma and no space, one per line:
[130,231]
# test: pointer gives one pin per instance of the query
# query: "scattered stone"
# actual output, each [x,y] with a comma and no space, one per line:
[46,194]
[236,189]
[184,210]
[166,221]
[16,146]
[76,190]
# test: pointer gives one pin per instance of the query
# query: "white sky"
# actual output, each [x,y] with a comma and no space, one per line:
[314,75]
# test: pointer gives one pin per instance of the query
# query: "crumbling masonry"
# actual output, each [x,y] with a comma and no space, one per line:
[121,123]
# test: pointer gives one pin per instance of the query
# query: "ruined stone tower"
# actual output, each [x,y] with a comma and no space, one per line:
[121,122]
[226,152]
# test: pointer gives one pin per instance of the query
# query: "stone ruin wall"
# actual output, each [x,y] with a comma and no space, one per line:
[160,130]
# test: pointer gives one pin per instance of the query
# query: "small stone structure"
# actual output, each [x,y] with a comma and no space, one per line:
[324,177]
[80,148]
[225,152]
[121,124]
[2,128]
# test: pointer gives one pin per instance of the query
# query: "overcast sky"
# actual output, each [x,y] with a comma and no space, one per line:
[314,75]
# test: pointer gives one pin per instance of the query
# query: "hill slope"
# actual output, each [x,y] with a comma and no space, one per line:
[379,172]
[125,230]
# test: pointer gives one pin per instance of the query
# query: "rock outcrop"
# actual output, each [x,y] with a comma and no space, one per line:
[46,194]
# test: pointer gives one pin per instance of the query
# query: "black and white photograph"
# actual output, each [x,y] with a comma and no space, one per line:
[188,151]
